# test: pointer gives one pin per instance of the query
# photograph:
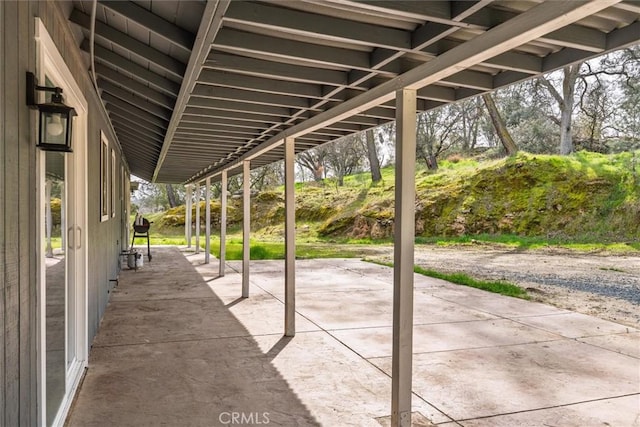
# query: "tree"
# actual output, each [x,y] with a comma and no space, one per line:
[565,103]
[596,108]
[498,123]
[313,160]
[171,196]
[344,156]
[471,117]
[372,155]
[435,129]
[267,176]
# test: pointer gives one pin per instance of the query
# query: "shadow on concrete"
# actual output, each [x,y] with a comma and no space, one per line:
[234,302]
[278,347]
[169,352]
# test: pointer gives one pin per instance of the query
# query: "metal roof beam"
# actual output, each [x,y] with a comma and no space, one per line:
[251,117]
[471,79]
[242,107]
[275,70]
[227,124]
[516,61]
[152,22]
[120,62]
[131,121]
[291,50]
[272,86]
[204,143]
[131,109]
[246,132]
[130,98]
[125,109]
[434,11]
[346,127]
[207,154]
[189,118]
[437,93]
[137,133]
[182,133]
[312,25]
[241,95]
[573,35]
[106,73]
[127,42]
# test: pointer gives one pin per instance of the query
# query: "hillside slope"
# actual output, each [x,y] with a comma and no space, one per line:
[586,195]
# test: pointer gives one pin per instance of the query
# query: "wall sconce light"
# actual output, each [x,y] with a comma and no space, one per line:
[55,117]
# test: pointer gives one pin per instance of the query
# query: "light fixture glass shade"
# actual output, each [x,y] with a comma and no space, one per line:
[55,127]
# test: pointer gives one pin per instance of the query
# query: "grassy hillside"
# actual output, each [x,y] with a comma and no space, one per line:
[584,197]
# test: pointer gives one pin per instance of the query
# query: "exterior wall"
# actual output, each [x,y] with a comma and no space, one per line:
[18,204]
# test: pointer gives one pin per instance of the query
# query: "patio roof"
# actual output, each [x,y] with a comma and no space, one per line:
[195,87]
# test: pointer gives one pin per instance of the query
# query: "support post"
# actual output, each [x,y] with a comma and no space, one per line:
[403,255]
[246,222]
[290,239]
[207,221]
[223,222]
[187,217]
[49,216]
[198,196]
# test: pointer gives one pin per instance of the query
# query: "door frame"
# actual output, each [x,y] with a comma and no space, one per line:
[49,61]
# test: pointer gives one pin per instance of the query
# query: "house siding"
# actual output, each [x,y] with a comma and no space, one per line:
[18,204]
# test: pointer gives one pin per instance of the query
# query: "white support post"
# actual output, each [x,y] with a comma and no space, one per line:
[187,217]
[402,355]
[198,196]
[290,239]
[246,222]
[207,221]
[49,216]
[223,222]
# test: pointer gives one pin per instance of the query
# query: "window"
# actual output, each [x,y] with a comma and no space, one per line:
[104,177]
[113,183]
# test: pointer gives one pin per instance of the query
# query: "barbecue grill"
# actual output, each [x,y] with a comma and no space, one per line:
[141,229]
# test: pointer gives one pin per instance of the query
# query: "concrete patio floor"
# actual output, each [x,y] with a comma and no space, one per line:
[177,346]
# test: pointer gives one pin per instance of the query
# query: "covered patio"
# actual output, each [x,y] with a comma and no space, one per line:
[179,346]
[198,92]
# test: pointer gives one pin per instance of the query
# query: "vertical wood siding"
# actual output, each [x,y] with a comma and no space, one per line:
[19,212]
[14,201]
[2,220]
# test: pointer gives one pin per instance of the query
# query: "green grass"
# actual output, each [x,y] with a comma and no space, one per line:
[275,250]
[497,287]
[586,202]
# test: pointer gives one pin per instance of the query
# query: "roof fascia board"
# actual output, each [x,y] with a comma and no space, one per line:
[209,27]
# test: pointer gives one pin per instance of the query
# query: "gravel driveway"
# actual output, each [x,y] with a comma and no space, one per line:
[604,285]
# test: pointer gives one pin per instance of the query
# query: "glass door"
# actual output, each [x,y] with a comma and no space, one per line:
[62,244]
[62,292]
[56,278]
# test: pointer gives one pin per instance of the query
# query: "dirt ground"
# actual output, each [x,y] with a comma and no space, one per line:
[598,284]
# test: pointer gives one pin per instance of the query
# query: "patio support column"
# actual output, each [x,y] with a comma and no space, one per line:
[246,222]
[290,239]
[207,221]
[223,221]
[47,198]
[403,258]
[187,217]
[198,196]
